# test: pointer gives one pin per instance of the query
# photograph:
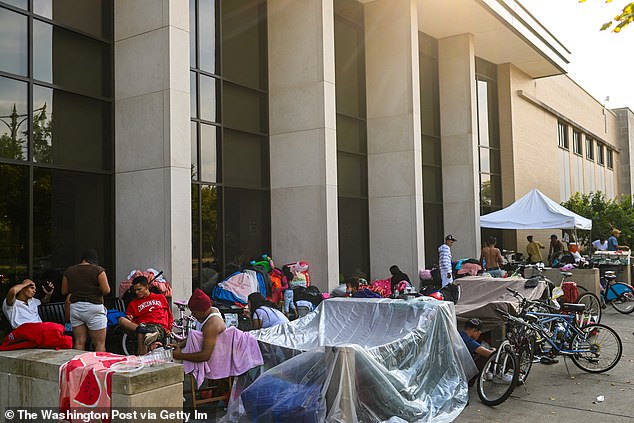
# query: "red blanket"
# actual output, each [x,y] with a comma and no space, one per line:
[37,335]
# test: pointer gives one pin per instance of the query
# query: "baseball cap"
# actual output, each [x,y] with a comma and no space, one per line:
[615,231]
[450,238]
[474,323]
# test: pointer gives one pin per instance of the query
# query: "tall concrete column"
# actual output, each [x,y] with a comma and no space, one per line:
[459,138]
[152,140]
[303,143]
[394,136]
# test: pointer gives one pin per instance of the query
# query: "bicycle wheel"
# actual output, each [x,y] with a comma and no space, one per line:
[129,344]
[601,348]
[498,377]
[624,302]
[593,309]
[525,353]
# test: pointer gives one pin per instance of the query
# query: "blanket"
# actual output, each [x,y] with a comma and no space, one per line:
[235,353]
[86,381]
[37,335]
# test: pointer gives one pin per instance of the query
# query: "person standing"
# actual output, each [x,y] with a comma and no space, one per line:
[613,241]
[491,259]
[445,259]
[533,250]
[87,284]
[600,244]
[556,248]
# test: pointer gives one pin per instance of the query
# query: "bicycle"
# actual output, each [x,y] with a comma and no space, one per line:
[499,376]
[180,330]
[620,295]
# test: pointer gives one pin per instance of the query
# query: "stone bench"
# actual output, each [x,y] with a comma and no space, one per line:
[30,378]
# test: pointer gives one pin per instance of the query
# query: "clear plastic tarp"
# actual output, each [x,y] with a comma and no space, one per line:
[359,360]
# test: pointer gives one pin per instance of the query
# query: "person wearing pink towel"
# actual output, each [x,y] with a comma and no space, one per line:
[212,324]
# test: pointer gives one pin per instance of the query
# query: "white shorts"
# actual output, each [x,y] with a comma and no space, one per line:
[94,316]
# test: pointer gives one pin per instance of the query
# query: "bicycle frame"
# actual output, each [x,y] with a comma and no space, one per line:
[570,330]
[609,293]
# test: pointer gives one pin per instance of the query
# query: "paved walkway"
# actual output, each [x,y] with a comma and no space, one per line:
[550,395]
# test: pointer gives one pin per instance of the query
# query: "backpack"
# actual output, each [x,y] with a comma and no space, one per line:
[451,292]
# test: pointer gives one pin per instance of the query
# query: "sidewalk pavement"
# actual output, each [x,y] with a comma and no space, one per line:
[550,394]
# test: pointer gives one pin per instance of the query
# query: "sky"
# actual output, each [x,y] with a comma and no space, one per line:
[602,62]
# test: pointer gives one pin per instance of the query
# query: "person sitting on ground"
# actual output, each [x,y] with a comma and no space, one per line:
[533,250]
[352,289]
[470,335]
[211,325]
[21,306]
[556,249]
[397,276]
[613,242]
[149,315]
[264,314]
[491,259]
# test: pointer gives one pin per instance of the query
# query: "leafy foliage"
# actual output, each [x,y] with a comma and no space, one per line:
[606,214]
[620,21]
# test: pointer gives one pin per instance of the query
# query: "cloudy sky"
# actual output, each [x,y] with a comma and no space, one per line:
[602,62]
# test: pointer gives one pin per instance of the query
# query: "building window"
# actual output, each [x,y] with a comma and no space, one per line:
[610,159]
[488,141]
[56,136]
[589,148]
[576,142]
[431,146]
[229,134]
[600,156]
[562,135]
[352,151]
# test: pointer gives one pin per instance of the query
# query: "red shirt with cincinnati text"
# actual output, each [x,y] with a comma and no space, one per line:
[151,309]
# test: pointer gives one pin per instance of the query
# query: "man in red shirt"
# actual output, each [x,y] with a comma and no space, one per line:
[149,315]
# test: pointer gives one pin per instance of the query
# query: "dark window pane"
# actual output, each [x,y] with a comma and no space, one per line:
[245,159]
[14,46]
[244,109]
[209,87]
[71,130]
[195,237]
[70,60]
[496,162]
[14,192]
[431,151]
[90,16]
[192,33]
[429,96]
[244,42]
[13,119]
[71,213]
[194,148]
[349,68]
[434,236]
[247,231]
[496,190]
[352,175]
[432,184]
[209,136]
[351,135]
[209,213]
[354,236]
[207,36]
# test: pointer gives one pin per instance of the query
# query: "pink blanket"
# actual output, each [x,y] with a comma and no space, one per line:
[86,382]
[235,353]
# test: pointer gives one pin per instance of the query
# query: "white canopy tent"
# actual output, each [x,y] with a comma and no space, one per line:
[535,211]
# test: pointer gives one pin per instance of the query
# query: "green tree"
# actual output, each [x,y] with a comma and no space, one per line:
[606,214]
[620,21]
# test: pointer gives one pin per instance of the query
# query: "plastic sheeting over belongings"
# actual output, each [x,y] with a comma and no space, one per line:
[359,360]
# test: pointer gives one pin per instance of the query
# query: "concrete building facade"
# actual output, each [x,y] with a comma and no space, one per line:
[350,134]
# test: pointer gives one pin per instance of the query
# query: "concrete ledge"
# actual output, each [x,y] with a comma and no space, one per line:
[34,376]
